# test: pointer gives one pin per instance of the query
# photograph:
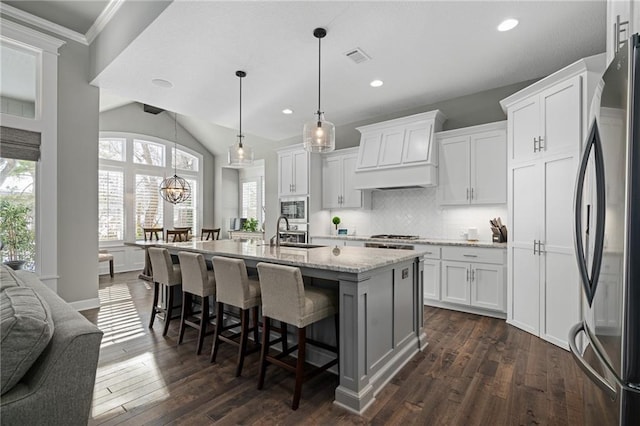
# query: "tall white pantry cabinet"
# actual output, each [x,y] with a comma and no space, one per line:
[546,126]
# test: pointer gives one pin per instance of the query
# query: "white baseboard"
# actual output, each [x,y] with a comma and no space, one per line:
[83,305]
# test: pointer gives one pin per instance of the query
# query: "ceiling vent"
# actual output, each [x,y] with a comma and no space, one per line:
[151,109]
[357,55]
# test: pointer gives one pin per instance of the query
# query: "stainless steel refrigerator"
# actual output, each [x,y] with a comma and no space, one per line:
[606,344]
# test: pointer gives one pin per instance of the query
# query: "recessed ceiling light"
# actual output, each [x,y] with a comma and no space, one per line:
[161,82]
[507,24]
[287,111]
[376,83]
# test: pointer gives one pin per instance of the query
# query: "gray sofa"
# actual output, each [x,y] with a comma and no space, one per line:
[57,388]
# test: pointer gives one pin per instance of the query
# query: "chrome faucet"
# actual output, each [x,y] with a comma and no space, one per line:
[286,221]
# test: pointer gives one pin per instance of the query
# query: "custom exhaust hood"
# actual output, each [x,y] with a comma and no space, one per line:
[400,153]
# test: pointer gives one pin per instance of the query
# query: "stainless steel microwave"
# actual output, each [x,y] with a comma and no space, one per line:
[294,209]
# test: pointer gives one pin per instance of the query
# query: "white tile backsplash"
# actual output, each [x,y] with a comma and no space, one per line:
[415,212]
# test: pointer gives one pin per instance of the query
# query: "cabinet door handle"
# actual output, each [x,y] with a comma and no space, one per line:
[540,145]
[472,193]
[470,255]
[467,275]
[540,248]
[467,193]
[534,246]
[473,274]
[535,146]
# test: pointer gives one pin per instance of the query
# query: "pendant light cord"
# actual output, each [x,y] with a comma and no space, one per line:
[319,62]
[240,130]
[175,143]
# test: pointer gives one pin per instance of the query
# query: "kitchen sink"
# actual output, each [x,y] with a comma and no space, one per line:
[300,245]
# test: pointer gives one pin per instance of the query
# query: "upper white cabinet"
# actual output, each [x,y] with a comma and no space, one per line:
[338,170]
[623,20]
[399,152]
[547,123]
[293,172]
[473,165]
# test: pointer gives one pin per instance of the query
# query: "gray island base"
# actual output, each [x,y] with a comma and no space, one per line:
[381,307]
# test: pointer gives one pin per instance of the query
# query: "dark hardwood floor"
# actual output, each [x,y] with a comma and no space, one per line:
[475,371]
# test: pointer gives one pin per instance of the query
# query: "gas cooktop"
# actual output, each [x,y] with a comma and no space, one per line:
[396,237]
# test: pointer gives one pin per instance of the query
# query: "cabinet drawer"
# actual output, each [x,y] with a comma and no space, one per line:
[430,252]
[474,254]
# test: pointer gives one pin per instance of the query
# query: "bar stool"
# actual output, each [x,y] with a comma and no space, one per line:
[198,281]
[213,233]
[167,273]
[151,232]
[285,298]
[235,288]
[105,256]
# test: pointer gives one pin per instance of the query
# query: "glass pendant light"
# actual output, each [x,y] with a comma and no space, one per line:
[319,135]
[239,154]
[175,189]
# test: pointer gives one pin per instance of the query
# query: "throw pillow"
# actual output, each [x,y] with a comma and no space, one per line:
[8,278]
[26,328]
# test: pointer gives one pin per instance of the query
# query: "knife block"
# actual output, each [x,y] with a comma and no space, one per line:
[499,237]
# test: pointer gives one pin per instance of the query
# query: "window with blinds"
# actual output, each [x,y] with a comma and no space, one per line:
[184,214]
[250,201]
[148,203]
[111,205]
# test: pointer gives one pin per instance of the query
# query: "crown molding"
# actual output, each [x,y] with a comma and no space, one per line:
[102,20]
[22,34]
[42,23]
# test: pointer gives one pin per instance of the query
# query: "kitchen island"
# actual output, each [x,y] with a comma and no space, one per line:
[380,304]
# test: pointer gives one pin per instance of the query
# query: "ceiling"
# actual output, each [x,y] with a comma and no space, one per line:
[76,15]
[424,52]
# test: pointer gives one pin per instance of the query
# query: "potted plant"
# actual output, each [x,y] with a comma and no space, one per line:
[251,225]
[336,222]
[16,236]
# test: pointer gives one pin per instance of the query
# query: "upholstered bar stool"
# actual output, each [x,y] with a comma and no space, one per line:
[105,256]
[285,298]
[198,281]
[213,233]
[235,288]
[166,273]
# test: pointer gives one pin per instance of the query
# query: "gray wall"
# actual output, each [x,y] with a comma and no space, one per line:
[77,176]
[132,118]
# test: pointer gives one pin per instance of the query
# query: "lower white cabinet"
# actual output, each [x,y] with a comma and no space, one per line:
[470,279]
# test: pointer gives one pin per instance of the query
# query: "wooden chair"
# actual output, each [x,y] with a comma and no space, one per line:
[165,273]
[151,232]
[105,256]
[213,233]
[285,298]
[198,281]
[177,235]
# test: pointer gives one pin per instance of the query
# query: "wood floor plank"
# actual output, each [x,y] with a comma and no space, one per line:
[474,370]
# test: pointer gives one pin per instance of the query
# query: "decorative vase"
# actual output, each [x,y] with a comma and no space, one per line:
[16,265]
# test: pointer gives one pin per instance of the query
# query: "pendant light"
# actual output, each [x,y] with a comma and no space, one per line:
[319,135]
[175,189]
[240,155]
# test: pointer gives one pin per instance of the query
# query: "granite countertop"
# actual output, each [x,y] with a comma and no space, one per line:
[342,259]
[429,241]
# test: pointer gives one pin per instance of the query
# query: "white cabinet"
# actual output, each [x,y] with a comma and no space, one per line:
[293,172]
[473,165]
[338,170]
[623,20]
[474,276]
[546,126]
[431,271]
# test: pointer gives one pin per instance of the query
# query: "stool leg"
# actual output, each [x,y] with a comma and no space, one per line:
[283,335]
[302,343]
[204,320]
[168,312]
[186,299]
[255,326]
[244,331]
[111,268]
[266,329]
[154,307]
[216,333]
